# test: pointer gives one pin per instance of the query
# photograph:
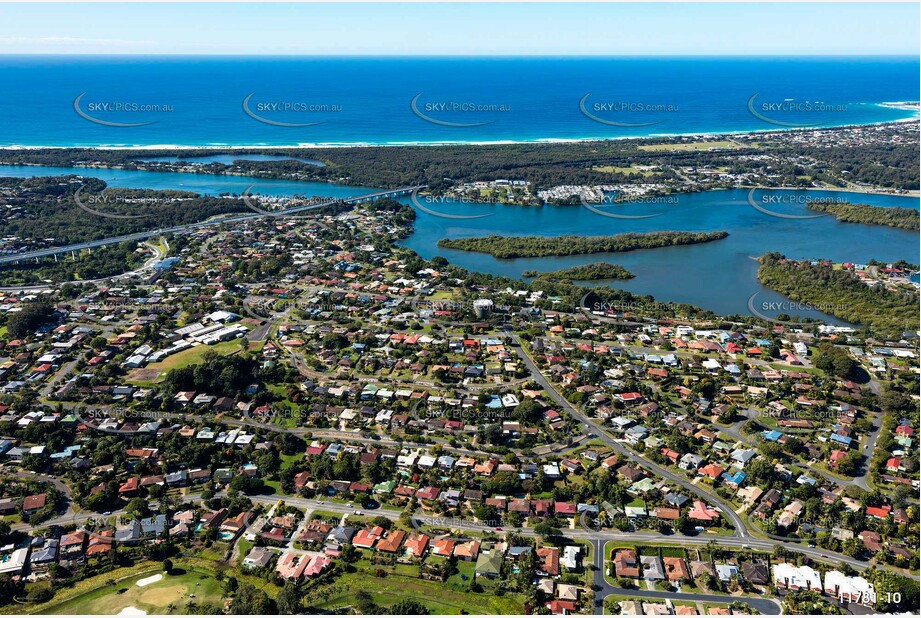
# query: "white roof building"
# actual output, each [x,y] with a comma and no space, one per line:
[797,578]
[852,589]
[570,558]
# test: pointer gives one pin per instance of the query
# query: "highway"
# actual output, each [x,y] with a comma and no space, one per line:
[177,229]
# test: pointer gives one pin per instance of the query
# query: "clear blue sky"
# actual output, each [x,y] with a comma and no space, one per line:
[470,29]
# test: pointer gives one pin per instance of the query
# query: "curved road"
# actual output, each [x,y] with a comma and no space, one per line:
[738,523]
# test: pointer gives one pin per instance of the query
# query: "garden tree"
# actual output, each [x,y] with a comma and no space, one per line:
[528,411]
[728,415]
[217,374]
[547,531]
[771,450]
[486,514]
[30,317]
[492,433]
[334,341]
[407,607]
[268,463]
[230,585]
[850,465]
[502,483]
[247,484]
[289,600]
[683,525]
[894,593]
[892,400]
[382,521]
[138,507]
[251,600]
[901,497]
[39,593]
[168,566]
[365,603]
[347,467]
[34,462]
[836,361]
[539,482]
[512,519]
[348,553]
[850,548]
[793,445]
[289,444]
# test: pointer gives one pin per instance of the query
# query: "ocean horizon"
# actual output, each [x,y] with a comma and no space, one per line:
[173,103]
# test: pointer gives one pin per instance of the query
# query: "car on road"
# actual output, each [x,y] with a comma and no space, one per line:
[358,512]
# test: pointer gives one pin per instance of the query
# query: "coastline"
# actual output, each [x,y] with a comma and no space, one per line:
[916,117]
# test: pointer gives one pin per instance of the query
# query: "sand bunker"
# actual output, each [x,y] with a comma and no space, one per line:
[150,580]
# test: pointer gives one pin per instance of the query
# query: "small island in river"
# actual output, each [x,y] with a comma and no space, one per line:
[599,271]
[508,247]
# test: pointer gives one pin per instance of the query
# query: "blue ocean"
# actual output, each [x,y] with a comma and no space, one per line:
[287,101]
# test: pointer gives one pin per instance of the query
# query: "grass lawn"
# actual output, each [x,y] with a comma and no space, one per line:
[288,460]
[326,516]
[192,581]
[244,547]
[155,598]
[215,552]
[98,595]
[707,606]
[437,597]
[15,518]
[673,552]
[611,169]
[188,357]
[799,368]
[587,559]
[464,569]
[689,146]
